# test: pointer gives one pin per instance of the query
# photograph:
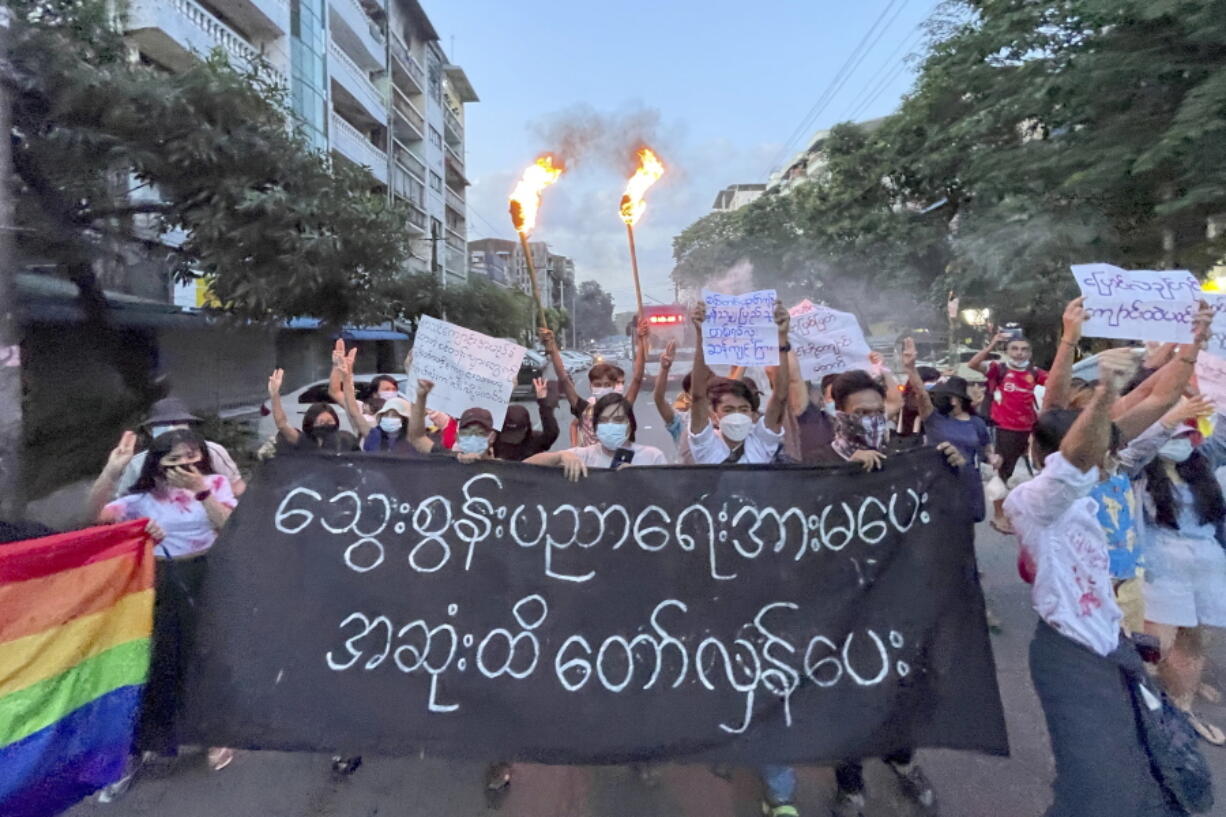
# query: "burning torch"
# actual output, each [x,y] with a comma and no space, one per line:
[632,208]
[525,201]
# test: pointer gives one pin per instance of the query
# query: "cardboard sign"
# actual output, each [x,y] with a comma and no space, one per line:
[469,369]
[826,341]
[1137,304]
[740,329]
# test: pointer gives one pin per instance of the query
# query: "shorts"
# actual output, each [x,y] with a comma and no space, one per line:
[1011,446]
[1186,583]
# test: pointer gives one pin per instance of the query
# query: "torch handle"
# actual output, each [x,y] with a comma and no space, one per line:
[536,288]
[634,267]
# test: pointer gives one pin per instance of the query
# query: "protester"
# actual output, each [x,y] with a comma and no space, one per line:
[178,490]
[677,415]
[724,422]
[1083,672]
[321,427]
[1185,587]
[615,430]
[171,414]
[910,423]
[517,441]
[603,378]
[1011,386]
[810,429]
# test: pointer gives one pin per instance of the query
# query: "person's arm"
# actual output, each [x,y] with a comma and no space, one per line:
[1086,443]
[893,395]
[288,432]
[699,411]
[1060,376]
[349,400]
[923,400]
[103,488]
[975,364]
[417,418]
[217,510]
[778,403]
[572,467]
[1169,382]
[559,366]
[640,364]
[661,385]
[548,435]
[798,390]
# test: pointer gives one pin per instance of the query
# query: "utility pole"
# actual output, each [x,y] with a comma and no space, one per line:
[12,502]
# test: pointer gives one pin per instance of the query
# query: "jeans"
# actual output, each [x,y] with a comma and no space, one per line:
[780,784]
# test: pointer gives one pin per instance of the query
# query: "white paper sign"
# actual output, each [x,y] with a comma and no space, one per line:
[740,329]
[1211,379]
[1217,331]
[469,369]
[826,341]
[1137,304]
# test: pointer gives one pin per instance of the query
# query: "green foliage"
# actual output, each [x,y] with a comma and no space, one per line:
[278,230]
[1049,133]
[593,312]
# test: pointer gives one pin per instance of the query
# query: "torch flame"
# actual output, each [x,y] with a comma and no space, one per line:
[649,172]
[526,198]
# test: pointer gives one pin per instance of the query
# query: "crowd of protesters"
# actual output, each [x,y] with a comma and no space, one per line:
[1120,523]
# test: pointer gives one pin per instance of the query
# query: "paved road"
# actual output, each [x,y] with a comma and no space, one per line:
[273,784]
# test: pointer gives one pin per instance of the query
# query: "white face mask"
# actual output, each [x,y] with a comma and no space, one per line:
[388,394]
[1019,364]
[1176,450]
[735,427]
[612,435]
[391,424]
[159,430]
[600,391]
[473,443]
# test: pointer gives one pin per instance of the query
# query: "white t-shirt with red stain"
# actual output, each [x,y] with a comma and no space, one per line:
[178,512]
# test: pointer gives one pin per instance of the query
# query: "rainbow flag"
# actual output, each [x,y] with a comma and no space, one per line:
[76,613]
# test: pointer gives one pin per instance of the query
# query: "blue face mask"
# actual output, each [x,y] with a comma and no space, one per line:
[473,443]
[613,435]
[391,425]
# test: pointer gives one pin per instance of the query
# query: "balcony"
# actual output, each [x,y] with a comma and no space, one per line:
[454,201]
[406,159]
[417,217]
[411,123]
[455,240]
[349,142]
[453,131]
[456,157]
[356,82]
[357,34]
[265,18]
[408,67]
[176,33]
[408,188]
[456,261]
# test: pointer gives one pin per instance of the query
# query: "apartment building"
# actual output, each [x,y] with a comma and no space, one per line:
[736,196]
[502,261]
[811,162]
[369,83]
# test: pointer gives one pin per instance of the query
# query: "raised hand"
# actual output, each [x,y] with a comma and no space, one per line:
[909,353]
[274,383]
[783,318]
[1188,408]
[1074,316]
[699,316]
[424,387]
[541,385]
[668,356]
[547,338]
[122,453]
[1001,337]
[408,362]
[1116,367]
[1202,324]
[644,328]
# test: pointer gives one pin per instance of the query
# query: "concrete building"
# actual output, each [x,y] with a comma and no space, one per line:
[811,162]
[736,196]
[502,260]
[368,82]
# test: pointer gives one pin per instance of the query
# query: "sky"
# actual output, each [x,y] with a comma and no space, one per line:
[717,88]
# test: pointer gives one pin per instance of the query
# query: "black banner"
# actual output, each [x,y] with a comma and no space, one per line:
[754,614]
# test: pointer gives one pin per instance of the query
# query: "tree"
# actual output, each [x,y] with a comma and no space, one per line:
[593,312]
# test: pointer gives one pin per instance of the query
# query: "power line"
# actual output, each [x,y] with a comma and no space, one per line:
[827,94]
[874,82]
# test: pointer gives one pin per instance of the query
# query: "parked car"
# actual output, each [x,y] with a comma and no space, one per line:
[297,402]
[576,361]
[529,370]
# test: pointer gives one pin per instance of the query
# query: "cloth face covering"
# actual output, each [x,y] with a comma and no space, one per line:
[854,433]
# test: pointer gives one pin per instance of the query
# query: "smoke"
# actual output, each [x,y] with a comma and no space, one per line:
[581,134]
[735,280]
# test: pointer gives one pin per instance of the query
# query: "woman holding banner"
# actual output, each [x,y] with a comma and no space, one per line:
[615,428]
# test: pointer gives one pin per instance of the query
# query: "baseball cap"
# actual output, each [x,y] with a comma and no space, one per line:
[477,417]
[516,426]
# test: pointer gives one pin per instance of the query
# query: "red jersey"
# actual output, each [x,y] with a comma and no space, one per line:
[1012,390]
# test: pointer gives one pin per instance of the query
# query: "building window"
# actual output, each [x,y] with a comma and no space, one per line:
[434,77]
[436,182]
[309,82]
[436,138]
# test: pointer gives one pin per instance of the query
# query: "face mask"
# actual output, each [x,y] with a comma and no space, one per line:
[1176,450]
[387,394]
[157,431]
[324,431]
[1020,364]
[735,427]
[473,443]
[612,435]
[620,388]
[873,426]
[600,391]
[828,407]
[391,424]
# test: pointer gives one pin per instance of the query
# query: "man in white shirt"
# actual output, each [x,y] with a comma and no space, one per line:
[1082,671]
[723,423]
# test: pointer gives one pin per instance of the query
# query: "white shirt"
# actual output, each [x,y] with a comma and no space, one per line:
[218,455]
[1062,540]
[180,515]
[707,447]
[594,456]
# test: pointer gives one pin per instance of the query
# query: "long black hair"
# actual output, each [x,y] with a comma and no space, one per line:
[1206,493]
[162,445]
[615,399]
[312,415]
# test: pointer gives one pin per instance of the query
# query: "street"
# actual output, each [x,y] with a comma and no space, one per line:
[275,784]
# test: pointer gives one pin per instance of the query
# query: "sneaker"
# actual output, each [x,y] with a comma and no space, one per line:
[780,810]
[847,805]
[116,790]
[916,786]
